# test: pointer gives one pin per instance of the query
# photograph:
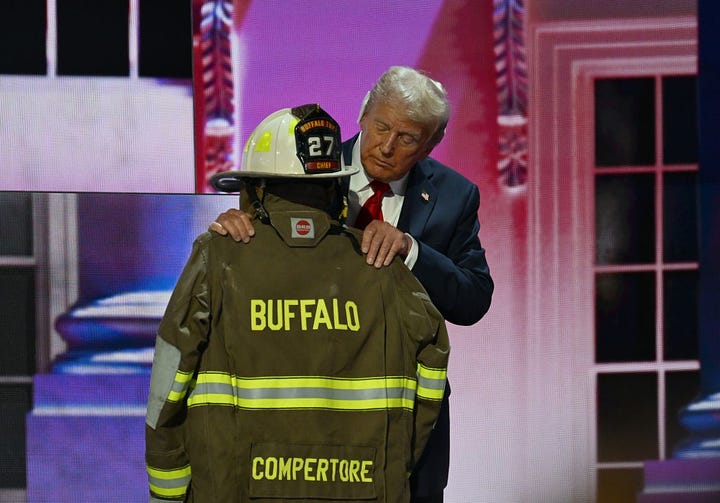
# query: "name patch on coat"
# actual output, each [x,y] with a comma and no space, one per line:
[303,314]
[312,471]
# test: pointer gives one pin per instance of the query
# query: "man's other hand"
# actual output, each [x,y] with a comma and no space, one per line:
[236,223]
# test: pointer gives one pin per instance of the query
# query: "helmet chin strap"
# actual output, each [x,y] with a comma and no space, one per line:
[257,205]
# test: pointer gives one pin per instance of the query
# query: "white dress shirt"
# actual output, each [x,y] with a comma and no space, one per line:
[360,191]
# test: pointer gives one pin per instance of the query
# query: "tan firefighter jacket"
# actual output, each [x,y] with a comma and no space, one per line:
[288,369]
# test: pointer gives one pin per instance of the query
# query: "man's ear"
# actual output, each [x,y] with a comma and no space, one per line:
[435,140]
[428,149]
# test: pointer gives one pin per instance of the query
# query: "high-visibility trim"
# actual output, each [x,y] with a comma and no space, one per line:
[169,483]
[431,382]
[375,393]
[166,361]
[180,386]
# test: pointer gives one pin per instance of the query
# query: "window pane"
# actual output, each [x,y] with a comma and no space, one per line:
[17,319]
[625,317]
[681,388]
[22,27]
[680,315]
[627,417]
[165,39]
[15,403]
[680,133]
[92,37]
[16,224]
[680,233]
[625,219]
[625,122]
[619,485]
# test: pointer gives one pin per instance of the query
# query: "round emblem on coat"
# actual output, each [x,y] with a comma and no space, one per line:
[302,227]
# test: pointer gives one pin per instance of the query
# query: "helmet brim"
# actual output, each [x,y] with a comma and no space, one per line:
[231,181]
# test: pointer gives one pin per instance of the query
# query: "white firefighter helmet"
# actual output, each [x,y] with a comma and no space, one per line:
[300,142]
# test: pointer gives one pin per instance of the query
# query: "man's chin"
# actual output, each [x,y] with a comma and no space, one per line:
[379,171]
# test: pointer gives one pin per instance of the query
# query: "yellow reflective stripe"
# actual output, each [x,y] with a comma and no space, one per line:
[214,398]
[169,474]
[432,373]
[180,386]
[295,392]
[169,483]
[429,393]
[431,382]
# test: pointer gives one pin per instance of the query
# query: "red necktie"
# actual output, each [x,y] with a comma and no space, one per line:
[372,209]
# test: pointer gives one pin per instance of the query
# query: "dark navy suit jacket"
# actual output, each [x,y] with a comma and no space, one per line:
[440,211]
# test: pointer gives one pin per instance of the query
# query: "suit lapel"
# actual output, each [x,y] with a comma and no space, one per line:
[420,193]
[420,198]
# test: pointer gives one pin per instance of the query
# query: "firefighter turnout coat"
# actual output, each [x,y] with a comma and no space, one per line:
[288,369]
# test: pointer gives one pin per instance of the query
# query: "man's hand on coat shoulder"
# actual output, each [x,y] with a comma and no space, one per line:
[381,242]
[235,223]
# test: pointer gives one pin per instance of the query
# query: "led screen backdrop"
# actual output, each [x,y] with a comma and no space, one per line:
[252,60]
[96,96]
[87,417]
[115,257]
[100,162]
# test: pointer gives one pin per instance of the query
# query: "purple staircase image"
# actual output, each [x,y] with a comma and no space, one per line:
[689,480]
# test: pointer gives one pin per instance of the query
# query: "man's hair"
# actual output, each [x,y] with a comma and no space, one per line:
[424,99]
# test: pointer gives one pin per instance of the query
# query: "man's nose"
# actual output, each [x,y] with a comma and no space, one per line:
[387,147]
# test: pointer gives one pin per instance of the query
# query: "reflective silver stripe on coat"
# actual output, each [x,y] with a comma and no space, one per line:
[169,483]
[303,392]
[431,382]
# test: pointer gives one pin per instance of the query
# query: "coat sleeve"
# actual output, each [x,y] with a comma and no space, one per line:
[432,362]
[428,333]
[181,336]
[457,278]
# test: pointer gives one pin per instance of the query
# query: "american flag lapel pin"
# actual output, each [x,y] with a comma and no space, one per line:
[425,196]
